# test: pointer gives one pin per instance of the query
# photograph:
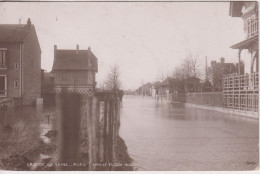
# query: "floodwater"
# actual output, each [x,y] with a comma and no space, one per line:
[164,136]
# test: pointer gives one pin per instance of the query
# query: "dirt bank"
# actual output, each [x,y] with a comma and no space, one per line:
[122,157]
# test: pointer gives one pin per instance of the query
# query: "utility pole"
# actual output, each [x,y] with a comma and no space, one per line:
[142,87]
[206,70]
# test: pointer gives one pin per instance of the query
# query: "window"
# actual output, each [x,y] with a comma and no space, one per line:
[252,26]
[16,84]
[2,58]
[16,66]
[3,85]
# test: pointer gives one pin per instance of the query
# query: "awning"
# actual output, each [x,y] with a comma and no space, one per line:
[246,44]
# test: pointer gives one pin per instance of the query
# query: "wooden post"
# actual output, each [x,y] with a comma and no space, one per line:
[68,110]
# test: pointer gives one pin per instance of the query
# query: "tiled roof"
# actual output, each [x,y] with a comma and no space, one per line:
[13,32]
[70,60]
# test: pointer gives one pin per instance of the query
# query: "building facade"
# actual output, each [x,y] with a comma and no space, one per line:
[75,70]
[20,62]
[217,70]
[241,91]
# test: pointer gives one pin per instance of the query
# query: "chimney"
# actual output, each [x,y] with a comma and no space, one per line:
[55,50]
[222,60]
[29,22]
[89,57]
[77,49]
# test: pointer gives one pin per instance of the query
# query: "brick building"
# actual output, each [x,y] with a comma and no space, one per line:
[20,62]
[74,70]
[217,70]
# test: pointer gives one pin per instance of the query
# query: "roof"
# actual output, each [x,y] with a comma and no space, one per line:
[13,32]
[246,44]
[17,33]
[70,60]
[235,8]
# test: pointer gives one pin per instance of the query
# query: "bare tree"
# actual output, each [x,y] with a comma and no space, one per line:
[191,64]
[189,72]
[113,82]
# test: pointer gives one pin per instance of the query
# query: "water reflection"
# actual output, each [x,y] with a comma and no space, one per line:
[165,136]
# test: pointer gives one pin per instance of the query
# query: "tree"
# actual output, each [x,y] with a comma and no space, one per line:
[188,73]
[112,81]
[206,86]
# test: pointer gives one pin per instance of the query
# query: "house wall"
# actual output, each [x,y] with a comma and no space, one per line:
[12,57]
[31,72]
[74,78]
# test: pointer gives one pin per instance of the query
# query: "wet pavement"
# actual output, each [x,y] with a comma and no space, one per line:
[165,136]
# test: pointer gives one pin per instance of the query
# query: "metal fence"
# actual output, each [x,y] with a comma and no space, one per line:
[241,92]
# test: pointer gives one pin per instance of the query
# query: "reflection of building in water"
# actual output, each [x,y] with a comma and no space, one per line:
[241,91]
[74,70]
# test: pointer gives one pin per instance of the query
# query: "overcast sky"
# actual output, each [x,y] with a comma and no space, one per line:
[146,39]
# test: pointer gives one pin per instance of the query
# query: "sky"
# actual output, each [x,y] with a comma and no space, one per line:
[147,40]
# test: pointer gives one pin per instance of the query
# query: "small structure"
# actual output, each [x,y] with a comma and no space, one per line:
[20,62]
[74,70]
[241,91]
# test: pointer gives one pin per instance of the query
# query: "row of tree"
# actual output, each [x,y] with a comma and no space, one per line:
[190,77]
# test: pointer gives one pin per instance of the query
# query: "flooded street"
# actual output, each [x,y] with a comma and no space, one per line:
[161,136]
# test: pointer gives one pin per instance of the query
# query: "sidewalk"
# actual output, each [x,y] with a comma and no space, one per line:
[242,113]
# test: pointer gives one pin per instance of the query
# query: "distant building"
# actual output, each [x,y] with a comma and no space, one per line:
[20,62]
[217,70]
[145,90]
[75,70]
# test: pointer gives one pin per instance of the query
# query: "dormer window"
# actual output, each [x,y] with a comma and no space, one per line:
[2,58]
